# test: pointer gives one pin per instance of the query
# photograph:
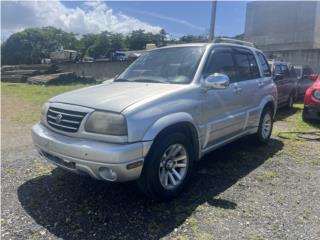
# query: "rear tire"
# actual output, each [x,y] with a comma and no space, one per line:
[265,127]
[290,101]
[160,166]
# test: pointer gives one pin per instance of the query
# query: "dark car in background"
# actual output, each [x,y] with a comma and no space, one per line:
[312,101]
[304,80]
[285,78]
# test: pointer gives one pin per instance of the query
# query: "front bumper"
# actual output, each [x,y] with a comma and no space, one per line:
[311,112]
[100,160]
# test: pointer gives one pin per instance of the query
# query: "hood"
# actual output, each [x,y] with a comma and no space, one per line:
[115,96]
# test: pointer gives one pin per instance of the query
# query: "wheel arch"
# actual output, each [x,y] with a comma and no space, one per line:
[178,122]
[269,102]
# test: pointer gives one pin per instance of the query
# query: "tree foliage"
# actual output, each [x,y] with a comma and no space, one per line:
[31,45]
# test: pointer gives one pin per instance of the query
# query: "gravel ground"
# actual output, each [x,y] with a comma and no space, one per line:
[238,192]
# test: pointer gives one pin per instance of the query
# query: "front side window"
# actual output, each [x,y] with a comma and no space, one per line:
[277,70]
[221,61]
[166,65]
[285,70]
[264,64]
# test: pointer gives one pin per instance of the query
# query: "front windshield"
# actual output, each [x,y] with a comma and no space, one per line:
[166,65]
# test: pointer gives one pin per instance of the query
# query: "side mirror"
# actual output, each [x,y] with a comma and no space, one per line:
[278,76]
[217,81]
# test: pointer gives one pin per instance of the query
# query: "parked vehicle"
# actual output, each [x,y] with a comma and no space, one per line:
[63,56]
[121,56]
[304,80]
[169,108]
[311,108]
[285,78]
[88,60]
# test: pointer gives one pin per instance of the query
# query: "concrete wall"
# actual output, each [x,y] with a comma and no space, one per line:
[309,57]
[283,25]
[99,70]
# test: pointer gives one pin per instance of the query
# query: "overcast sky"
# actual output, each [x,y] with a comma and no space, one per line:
[177,18]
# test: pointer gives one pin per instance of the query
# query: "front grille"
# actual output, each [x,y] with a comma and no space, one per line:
[64,120]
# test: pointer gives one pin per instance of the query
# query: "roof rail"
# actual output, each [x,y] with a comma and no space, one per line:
[235,41]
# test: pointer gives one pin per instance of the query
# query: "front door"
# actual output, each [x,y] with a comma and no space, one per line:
[223,108]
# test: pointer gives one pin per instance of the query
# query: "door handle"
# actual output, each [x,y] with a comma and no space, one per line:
[237,90]
[260,84]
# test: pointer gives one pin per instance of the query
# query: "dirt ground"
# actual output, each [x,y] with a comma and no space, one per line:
[238,192]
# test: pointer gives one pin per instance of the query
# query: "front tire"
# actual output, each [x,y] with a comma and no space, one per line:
[167,167]
[265,127]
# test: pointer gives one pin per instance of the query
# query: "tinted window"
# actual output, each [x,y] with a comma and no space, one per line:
[307,71]
[292,72]
[264,64]
[243,66]
[246,65]
[298,72]
[285,70]
[221,62]
[254,66]
[277,70]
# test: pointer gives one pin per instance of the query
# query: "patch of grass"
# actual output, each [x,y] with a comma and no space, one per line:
[220,213]
[36,94]
[180,237]
[254,237]
[203,236]
[40,169]
[265,176]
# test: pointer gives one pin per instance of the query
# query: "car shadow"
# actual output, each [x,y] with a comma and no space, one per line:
[77,207]
[283,113]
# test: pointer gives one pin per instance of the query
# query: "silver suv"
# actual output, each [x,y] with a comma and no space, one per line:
[162,114]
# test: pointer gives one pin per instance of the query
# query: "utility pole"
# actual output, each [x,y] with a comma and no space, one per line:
[213,20]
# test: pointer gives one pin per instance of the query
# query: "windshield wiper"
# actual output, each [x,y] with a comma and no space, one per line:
[122,80]
[147,81]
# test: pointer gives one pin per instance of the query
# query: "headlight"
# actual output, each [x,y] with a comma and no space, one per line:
[44,110]
[316,94]
[106,123]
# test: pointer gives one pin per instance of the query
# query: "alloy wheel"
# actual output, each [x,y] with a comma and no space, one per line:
[173,166]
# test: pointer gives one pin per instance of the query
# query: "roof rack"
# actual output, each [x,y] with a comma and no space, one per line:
[235,41]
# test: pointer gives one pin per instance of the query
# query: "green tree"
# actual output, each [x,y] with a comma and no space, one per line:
[30,45]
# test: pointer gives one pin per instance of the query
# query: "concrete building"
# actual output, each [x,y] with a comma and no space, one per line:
[288,31]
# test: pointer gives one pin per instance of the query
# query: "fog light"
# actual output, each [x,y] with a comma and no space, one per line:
[108,174]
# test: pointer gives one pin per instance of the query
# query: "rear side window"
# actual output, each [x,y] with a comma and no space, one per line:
[292,72]
[221,61]
[264,64]
[246,65]
[243,65]
[254,66]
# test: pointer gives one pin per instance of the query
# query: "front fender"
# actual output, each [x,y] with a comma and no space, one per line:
[167,121]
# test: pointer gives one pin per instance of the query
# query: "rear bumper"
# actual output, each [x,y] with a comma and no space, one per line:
[100,160]
[311,112]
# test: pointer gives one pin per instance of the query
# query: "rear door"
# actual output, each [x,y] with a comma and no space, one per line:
[287,83]
[305,82]
[248,79]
